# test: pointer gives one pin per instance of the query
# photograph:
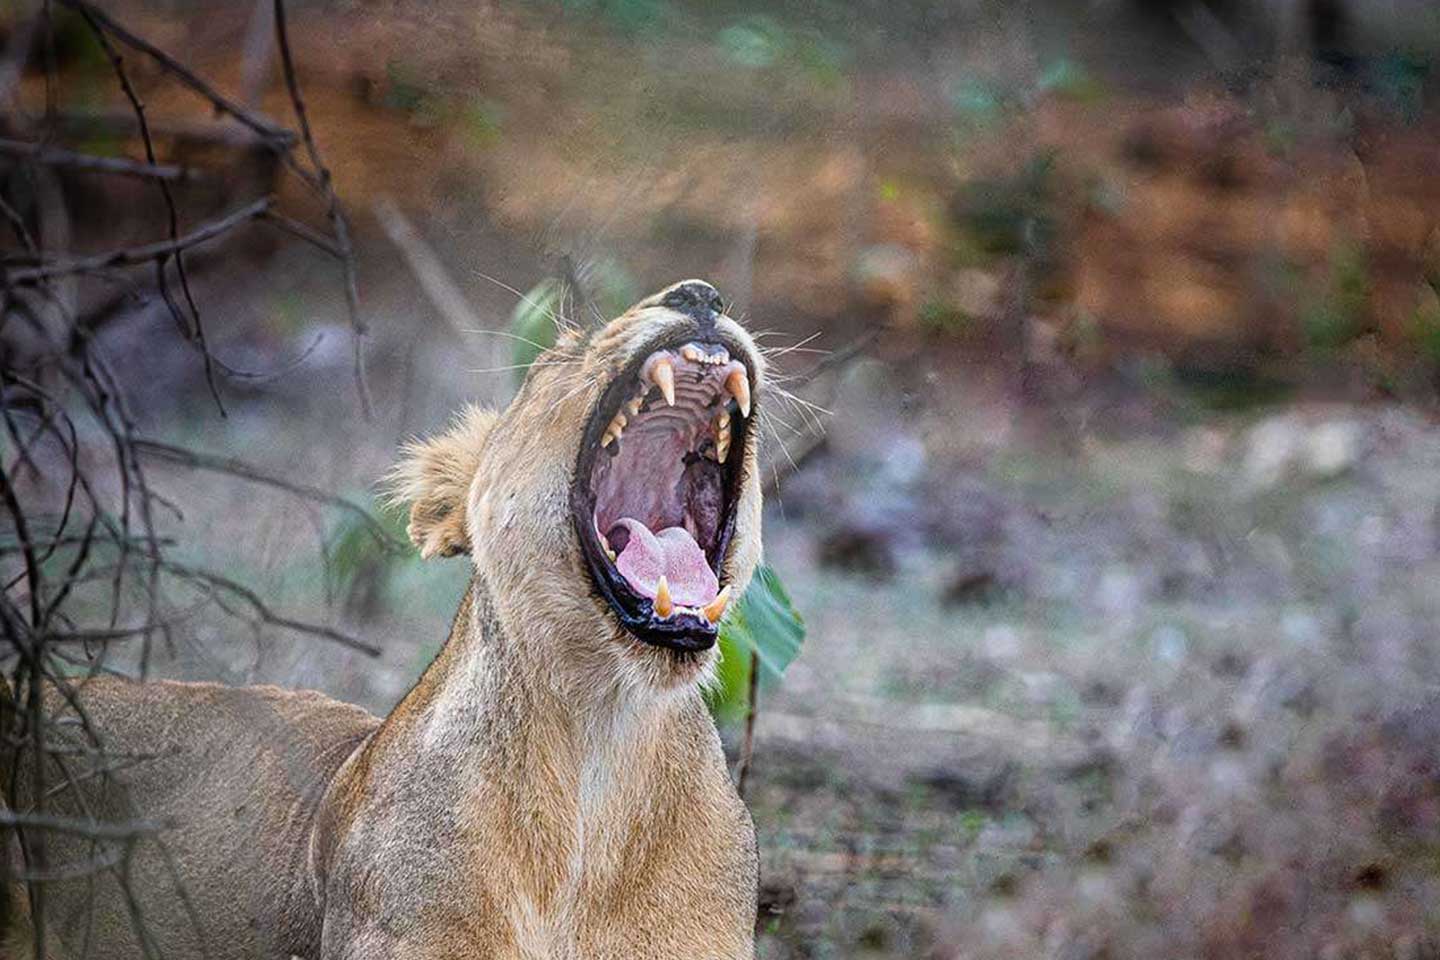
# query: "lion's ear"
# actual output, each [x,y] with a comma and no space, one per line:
[434,478]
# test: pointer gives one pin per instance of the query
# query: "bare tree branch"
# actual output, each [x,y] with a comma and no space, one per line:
[55,157]
[137,255]
[260,125]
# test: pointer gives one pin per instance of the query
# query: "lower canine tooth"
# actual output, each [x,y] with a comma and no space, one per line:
[663,605]
[715,609]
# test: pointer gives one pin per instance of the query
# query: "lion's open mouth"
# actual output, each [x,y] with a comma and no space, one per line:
[655,489]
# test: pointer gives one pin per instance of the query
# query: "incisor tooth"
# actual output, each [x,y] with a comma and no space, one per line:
[663,373]
[691,354]
[715,609]
[739,386]
[663,604]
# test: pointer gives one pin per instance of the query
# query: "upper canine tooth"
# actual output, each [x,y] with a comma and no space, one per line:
[739,386]
[715,609]
[663,374]
[663,605]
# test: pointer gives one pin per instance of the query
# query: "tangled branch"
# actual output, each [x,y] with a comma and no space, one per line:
[87,538]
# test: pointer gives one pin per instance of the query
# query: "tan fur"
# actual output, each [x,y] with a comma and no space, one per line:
[550,788]
[434,476]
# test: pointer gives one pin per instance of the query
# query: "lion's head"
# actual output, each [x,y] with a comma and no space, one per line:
[618,495]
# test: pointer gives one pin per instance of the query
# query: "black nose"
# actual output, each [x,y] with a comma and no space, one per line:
[697,300]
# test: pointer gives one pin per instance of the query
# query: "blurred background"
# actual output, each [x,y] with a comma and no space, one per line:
[1108,488]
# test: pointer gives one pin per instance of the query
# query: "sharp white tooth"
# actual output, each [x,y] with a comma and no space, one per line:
[722,436]
[739,386]
[662,373]
[715,609]
[663,604]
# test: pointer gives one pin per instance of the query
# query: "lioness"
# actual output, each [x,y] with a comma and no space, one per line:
[553,785]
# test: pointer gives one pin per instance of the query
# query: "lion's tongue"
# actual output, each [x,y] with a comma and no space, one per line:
[671,553]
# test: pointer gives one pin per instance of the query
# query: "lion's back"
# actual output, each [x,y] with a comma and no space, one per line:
[230,777]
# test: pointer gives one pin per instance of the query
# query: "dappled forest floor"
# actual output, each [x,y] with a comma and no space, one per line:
[1118,548]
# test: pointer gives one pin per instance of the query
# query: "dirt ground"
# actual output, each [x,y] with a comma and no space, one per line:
[1119,556]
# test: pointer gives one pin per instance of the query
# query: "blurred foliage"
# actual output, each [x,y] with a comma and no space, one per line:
[1011,214]
[1425,330]
[981,101]
[1336,315]
[532,323]
[764,624]
[629,16]
[759,41]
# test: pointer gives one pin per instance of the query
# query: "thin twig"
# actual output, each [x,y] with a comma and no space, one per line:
[339,225]
[132,256]
[747,746]
[260,125]
[239,468]
[120,166]
[430,273]
[264,613]
[172,217]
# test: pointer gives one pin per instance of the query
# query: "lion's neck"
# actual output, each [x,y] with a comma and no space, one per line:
[582,762]
[542,685]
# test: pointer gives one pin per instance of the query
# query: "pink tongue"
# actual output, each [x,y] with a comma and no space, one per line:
[673,553]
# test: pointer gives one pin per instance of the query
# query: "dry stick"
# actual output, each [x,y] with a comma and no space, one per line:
[267,130]
[17,224]
[815,444]
[32,845]
[430,273]
[262,610]
[119,166]
[132,256]
[747,746]
[334,212]
[245,471]
[17,50]
[172,217]
[304,231]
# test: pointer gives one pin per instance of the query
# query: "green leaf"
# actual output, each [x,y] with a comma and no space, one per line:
[766,623]
[533,323]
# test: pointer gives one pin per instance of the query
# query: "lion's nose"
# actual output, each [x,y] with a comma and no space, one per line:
[697,300]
